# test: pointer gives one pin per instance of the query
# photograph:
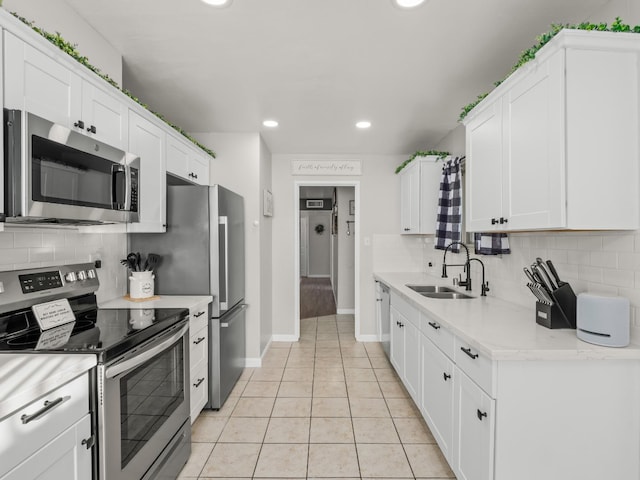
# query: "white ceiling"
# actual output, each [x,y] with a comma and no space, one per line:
[318,66]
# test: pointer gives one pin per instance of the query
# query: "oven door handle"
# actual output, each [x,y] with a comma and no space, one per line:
[142,357]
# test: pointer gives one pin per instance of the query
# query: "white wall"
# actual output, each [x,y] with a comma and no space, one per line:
[266,246]
[57,16]
[379,207]
[346,252]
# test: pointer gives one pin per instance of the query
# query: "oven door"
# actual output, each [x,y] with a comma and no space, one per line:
[142,409]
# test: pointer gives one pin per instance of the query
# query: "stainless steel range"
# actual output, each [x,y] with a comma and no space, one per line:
[140,403]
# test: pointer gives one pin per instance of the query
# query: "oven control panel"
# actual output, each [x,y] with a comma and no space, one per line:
[36,282]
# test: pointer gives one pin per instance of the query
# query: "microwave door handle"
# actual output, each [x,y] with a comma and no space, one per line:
[224,225]
[127,188]
[116,171]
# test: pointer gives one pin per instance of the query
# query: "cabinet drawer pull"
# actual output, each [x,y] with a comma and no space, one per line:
[481,414]
[79,124]
[434,325]
[199,314]
[200,380]
[48,406]
[92,129]
[89,442]
[199,340]
[494,221]
[446,376]
[468,352]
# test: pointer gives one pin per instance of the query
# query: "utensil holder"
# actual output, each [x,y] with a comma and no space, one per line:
[141,284]
[562,314]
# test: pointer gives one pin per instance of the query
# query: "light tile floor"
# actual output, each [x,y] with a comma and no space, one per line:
[324,407]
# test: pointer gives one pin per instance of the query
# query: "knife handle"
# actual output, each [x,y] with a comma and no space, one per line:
[554,272]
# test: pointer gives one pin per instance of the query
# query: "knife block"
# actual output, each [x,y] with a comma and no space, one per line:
[562,314]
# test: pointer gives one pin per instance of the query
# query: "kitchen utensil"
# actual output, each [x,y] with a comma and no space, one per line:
[553,270]
[535,291]
[132,259]
[546,296]
[543,271]
[153,260]
[138,262]
[528,274]
[539,278]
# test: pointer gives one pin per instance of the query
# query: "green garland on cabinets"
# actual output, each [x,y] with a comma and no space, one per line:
[440,155]
[72,51]
[542,40]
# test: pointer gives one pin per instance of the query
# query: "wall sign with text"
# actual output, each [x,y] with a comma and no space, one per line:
[329,168]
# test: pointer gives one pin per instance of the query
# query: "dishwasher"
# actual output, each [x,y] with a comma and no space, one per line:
[383,304]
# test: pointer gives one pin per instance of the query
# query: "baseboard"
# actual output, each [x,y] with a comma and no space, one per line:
[367,338]
[318,276]
[252,362]
[346,311]
[284,338]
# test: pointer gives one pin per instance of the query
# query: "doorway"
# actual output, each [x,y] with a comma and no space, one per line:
[327,251]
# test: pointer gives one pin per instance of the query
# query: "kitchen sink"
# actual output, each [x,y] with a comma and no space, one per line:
[447,295]
[438,291]
[431,289]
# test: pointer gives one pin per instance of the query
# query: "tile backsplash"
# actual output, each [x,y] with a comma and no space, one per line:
[605,263]
[31,248]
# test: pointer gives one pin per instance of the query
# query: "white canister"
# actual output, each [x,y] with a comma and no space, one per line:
[141,284]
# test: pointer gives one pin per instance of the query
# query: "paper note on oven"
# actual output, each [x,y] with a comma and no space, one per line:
[53,314]
[55,337]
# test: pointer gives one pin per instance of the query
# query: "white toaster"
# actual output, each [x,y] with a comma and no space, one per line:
[603,320]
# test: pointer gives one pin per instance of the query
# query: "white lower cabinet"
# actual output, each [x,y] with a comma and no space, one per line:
[50,438]
[198,358]
[474,427]
[63,457]
[405,344]
[436,404]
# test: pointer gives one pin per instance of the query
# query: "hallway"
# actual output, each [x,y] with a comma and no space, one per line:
[316,297]
[324,407]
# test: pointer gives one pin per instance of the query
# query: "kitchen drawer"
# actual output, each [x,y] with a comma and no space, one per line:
[199,389]
[199,346]
[476,365]
[407,310]
[439,335]
[198,317]
[18,440]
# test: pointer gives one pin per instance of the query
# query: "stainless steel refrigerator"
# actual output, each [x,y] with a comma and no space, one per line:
[203,254]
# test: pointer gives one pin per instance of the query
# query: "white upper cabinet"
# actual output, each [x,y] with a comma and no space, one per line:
[40,84]
[147,141]
[105,116]
[555,146]
[186,161]
[419,192]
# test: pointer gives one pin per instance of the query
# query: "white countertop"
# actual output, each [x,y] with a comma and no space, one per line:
[500,329]
[26,377]
[165,301]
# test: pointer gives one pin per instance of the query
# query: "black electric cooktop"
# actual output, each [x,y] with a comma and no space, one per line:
[104,332]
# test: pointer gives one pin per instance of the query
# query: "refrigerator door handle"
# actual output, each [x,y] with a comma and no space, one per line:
[223,221]
[234,316]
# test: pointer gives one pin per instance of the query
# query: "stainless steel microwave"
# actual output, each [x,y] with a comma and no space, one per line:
[59,176]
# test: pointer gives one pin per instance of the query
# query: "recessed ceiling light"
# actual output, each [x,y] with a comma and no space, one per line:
[218,3]
[407,3]
[363,124]
[270,123]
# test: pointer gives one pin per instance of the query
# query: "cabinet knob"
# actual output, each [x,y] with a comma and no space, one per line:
[494,221]
[79,124]
[446,376]
[92,129]
[503,220]
[481,414]
[407,229]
